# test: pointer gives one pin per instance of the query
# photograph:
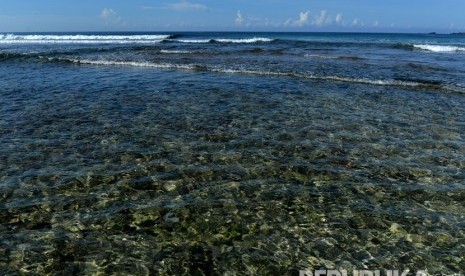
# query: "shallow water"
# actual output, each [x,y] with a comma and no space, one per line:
[108,167]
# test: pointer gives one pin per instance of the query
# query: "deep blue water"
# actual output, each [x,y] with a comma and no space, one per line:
[214,153]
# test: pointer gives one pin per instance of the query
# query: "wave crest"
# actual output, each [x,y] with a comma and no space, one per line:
[82,39]
[194,40]
[244,40]
[130,64]
[228,40]
[439,48]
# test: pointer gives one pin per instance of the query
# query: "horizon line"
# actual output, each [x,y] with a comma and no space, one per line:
[237,31]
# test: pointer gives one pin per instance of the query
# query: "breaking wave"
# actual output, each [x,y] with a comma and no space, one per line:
[116,39]
[80,39]
[194,40]
[244,40]
[439,48]
[227,40]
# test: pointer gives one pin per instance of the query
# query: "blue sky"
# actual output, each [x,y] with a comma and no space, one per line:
[233,15]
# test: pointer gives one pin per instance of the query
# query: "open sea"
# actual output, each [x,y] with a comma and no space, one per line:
[231,153]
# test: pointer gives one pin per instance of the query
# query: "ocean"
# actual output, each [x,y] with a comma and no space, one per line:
[231,153]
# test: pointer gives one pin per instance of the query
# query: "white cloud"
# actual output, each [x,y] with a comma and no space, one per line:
[186,6]
[239,19]
[322,19]
[179,7]
[357,22]
[287,22]
[150,8]
[111,18]
[376,23]
[251,21]
[303,19]
[107,13]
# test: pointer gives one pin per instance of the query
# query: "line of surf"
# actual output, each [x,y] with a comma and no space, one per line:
[82,39]
[175,52]
[317,77]
[129,64]
[94,39]
[439,48]
[227,40]
[302,75]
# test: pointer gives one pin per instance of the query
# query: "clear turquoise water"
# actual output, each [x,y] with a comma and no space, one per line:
[217,153]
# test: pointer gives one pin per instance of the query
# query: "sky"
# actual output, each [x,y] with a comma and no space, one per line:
[443,16]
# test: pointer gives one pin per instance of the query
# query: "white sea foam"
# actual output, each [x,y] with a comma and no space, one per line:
[319,56]
[244,40]
[94,39]
[304,75]
[227,40]
[244,71]
[82,39]
[367,81]
[253,72]
[315,77]
[133,64]
[439,48]
[194,40]
[175,52]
